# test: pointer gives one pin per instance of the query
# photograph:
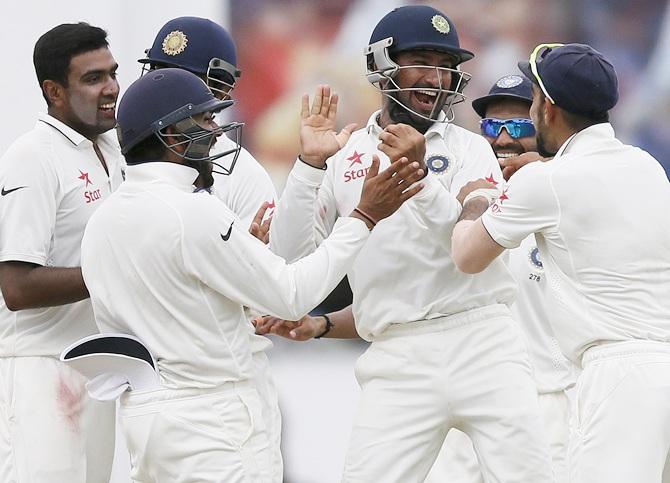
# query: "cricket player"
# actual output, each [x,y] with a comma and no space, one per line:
[174,269]
[598,212]
[445,351]
[206,49]
[506,124]
[52,180]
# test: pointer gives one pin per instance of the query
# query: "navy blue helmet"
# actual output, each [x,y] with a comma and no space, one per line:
[171,97]
[417,27]
[199,46]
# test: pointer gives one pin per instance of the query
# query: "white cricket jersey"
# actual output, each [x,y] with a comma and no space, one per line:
[175,269]
[247,188]
[599,212]
[552,370]
[244,191]
[405,272]
[52,182]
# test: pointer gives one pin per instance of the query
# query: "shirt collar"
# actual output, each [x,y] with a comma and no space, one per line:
[438,128]
[174,174]
[588,137]
[73,136]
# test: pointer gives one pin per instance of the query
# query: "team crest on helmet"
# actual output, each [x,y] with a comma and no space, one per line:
[534,257]
[441,24]
[509,81]
[438,163]
[175,42]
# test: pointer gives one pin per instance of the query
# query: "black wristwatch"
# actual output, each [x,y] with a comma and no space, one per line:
[329,325]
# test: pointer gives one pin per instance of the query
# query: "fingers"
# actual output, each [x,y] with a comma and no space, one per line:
[411,192]
[304,109]
[322,102]
[374,168]
[263,324]
[318,99]
[332,108]
[258,217]
[344,135]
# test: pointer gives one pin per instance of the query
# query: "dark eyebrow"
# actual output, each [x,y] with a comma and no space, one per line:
[99,71]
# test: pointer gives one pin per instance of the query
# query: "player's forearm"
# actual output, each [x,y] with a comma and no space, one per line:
[344,326]
[472,248]
[29,286]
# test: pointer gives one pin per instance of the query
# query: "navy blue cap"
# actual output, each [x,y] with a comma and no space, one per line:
[160,99]
[191,43]
[578,78]
[512,86]
[415,27]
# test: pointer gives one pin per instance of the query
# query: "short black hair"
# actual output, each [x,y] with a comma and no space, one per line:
[54,50]
[150,148]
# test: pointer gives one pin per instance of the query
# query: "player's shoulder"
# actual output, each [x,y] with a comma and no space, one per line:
[203,207]
[28,150]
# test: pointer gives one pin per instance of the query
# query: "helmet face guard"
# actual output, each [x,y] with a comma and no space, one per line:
[199,140]
[382,71]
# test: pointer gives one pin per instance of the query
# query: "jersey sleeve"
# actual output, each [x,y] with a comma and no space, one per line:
[306,212]
[437,205]
[228,259]
[28,205]
[478,162]
[527,204]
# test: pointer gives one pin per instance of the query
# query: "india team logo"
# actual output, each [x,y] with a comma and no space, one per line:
[509,81]
[175,42]
[534,257]
[438,163]
[440,24]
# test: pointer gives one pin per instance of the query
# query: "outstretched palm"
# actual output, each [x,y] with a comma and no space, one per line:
[318,137]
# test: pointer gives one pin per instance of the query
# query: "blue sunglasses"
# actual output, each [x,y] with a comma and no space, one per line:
[517,128]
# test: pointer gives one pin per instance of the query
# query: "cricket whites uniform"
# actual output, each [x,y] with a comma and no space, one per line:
[598,211]
[552,371]
[177,272]
[244,191]
[50,430]
[445,351]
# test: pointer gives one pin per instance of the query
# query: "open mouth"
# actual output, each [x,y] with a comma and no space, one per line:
[108,108]
[507,155]
[425,99]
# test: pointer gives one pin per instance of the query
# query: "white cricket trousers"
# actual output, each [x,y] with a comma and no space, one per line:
[621,415]
[50,430]
[469,371]
[457,461]
[263,381]
[197,435]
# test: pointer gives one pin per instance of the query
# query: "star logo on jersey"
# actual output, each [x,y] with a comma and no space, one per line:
[352,172]
[491,180]
[271,208]
[84,177]
[355,159]
[496,207]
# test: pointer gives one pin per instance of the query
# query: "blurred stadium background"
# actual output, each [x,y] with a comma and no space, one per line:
[285,48]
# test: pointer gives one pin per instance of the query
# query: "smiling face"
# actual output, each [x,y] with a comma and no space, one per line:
[421,74]
[88,102]
[504,145]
